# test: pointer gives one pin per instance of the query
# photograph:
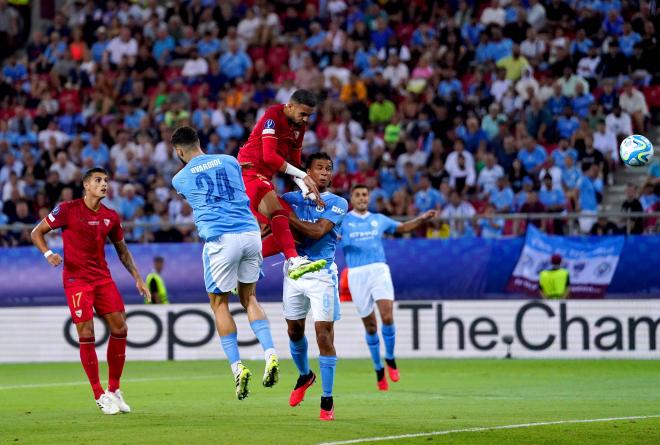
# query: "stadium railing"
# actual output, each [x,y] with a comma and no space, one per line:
[515,223]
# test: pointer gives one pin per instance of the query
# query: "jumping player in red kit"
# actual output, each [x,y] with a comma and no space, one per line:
[88,285]
[275,145]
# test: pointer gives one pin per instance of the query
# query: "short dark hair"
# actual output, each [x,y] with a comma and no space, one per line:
[358,187]
[159,259]
[304,97]
[185,137]
[88,174]
[317,157]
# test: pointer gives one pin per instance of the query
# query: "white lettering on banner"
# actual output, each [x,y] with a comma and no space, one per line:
[540,329]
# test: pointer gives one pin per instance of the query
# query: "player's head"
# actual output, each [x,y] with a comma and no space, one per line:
[95,182]
[300,107]
[360,197]
[186,143]
[159,262]
[319,167]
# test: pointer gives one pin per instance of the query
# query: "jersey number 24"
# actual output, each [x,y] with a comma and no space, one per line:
[225,191]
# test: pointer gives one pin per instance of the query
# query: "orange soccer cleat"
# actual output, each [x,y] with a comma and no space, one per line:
[298,393]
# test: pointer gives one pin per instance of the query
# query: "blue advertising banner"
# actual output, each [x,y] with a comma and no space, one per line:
[453,269]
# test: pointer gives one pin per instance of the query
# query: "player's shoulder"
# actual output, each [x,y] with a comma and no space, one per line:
[335,203]
[111,213]
[293,197]
[66,206]
[274,112]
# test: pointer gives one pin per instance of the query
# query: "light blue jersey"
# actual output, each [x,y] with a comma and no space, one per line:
[361,238]
[307,210]
[214,188]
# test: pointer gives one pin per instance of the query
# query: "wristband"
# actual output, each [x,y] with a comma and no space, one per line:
[293,171]
[48,253]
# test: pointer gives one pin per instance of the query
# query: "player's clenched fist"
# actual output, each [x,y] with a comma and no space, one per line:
[54,259]
[429,214]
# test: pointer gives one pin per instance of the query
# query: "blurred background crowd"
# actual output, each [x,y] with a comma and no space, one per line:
[476,109]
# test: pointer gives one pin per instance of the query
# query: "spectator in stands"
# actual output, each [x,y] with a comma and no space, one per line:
[533,205]
[489,174]
[590,189]
[632,101]
[502,197]
[456,213]
[604,226]
[490,226]
[634,226]
[64,167]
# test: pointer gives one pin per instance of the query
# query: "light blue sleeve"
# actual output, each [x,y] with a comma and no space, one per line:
[293,198]
[335,210]
[387,225]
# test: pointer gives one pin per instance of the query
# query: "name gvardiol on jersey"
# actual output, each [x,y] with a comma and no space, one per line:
[206,166]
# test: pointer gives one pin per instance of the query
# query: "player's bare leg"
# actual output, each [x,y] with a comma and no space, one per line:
[297,266]
[373,342]
[325,337]
[90,364]
[298,347]
[226,327]
[116,355]
[388,330]
[247,293]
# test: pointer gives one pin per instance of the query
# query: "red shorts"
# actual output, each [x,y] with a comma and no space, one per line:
[256,188]
[102,296]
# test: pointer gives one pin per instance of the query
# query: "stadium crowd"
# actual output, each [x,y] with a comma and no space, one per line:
[472,108]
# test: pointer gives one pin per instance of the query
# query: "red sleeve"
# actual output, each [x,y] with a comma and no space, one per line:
[58,216]
[271,125]
[116,234]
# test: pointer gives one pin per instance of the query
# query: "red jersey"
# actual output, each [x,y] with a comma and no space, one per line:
[84,232]
[272,142]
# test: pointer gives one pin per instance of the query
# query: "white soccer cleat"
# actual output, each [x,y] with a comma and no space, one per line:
[107,404]
[118,399]
[301,265]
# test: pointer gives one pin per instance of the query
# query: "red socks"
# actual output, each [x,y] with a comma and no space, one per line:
[279,224]
[269,246]
[116,359]
[91,364]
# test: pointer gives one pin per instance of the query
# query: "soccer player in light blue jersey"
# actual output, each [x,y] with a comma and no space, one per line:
[315,291]
[369,279]
[213,186]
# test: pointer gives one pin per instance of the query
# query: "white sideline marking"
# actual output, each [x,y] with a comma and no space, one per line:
[146,379]
[484,428]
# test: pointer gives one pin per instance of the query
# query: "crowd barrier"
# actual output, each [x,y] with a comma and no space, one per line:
[451,269]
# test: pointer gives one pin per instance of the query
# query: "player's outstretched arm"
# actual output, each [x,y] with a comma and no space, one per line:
[416,223]
[38,237]
[311,230]
[127,260]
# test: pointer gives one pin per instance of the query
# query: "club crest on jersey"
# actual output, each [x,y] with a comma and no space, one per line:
[78,313]
[296,133]
[319,208]
[374,224]
[106,221]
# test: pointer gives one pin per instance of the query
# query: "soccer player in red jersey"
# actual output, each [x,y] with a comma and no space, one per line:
[88,285]
[275,145]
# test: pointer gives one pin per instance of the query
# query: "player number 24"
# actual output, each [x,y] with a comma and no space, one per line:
[225,191]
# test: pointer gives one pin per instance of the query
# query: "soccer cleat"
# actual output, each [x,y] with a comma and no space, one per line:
[272,372]
[298,393]
[327,409]
[118,398]
[382,380]
[242,379]
[107,405]
[301,265]
[392,370]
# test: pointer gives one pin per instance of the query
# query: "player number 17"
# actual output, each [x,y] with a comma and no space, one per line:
[225,190]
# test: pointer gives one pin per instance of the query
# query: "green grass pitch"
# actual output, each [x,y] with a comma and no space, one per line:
[193,403]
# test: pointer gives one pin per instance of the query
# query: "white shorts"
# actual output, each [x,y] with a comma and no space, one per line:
[318,291]
[368,284]
[231,258]
[587,222]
